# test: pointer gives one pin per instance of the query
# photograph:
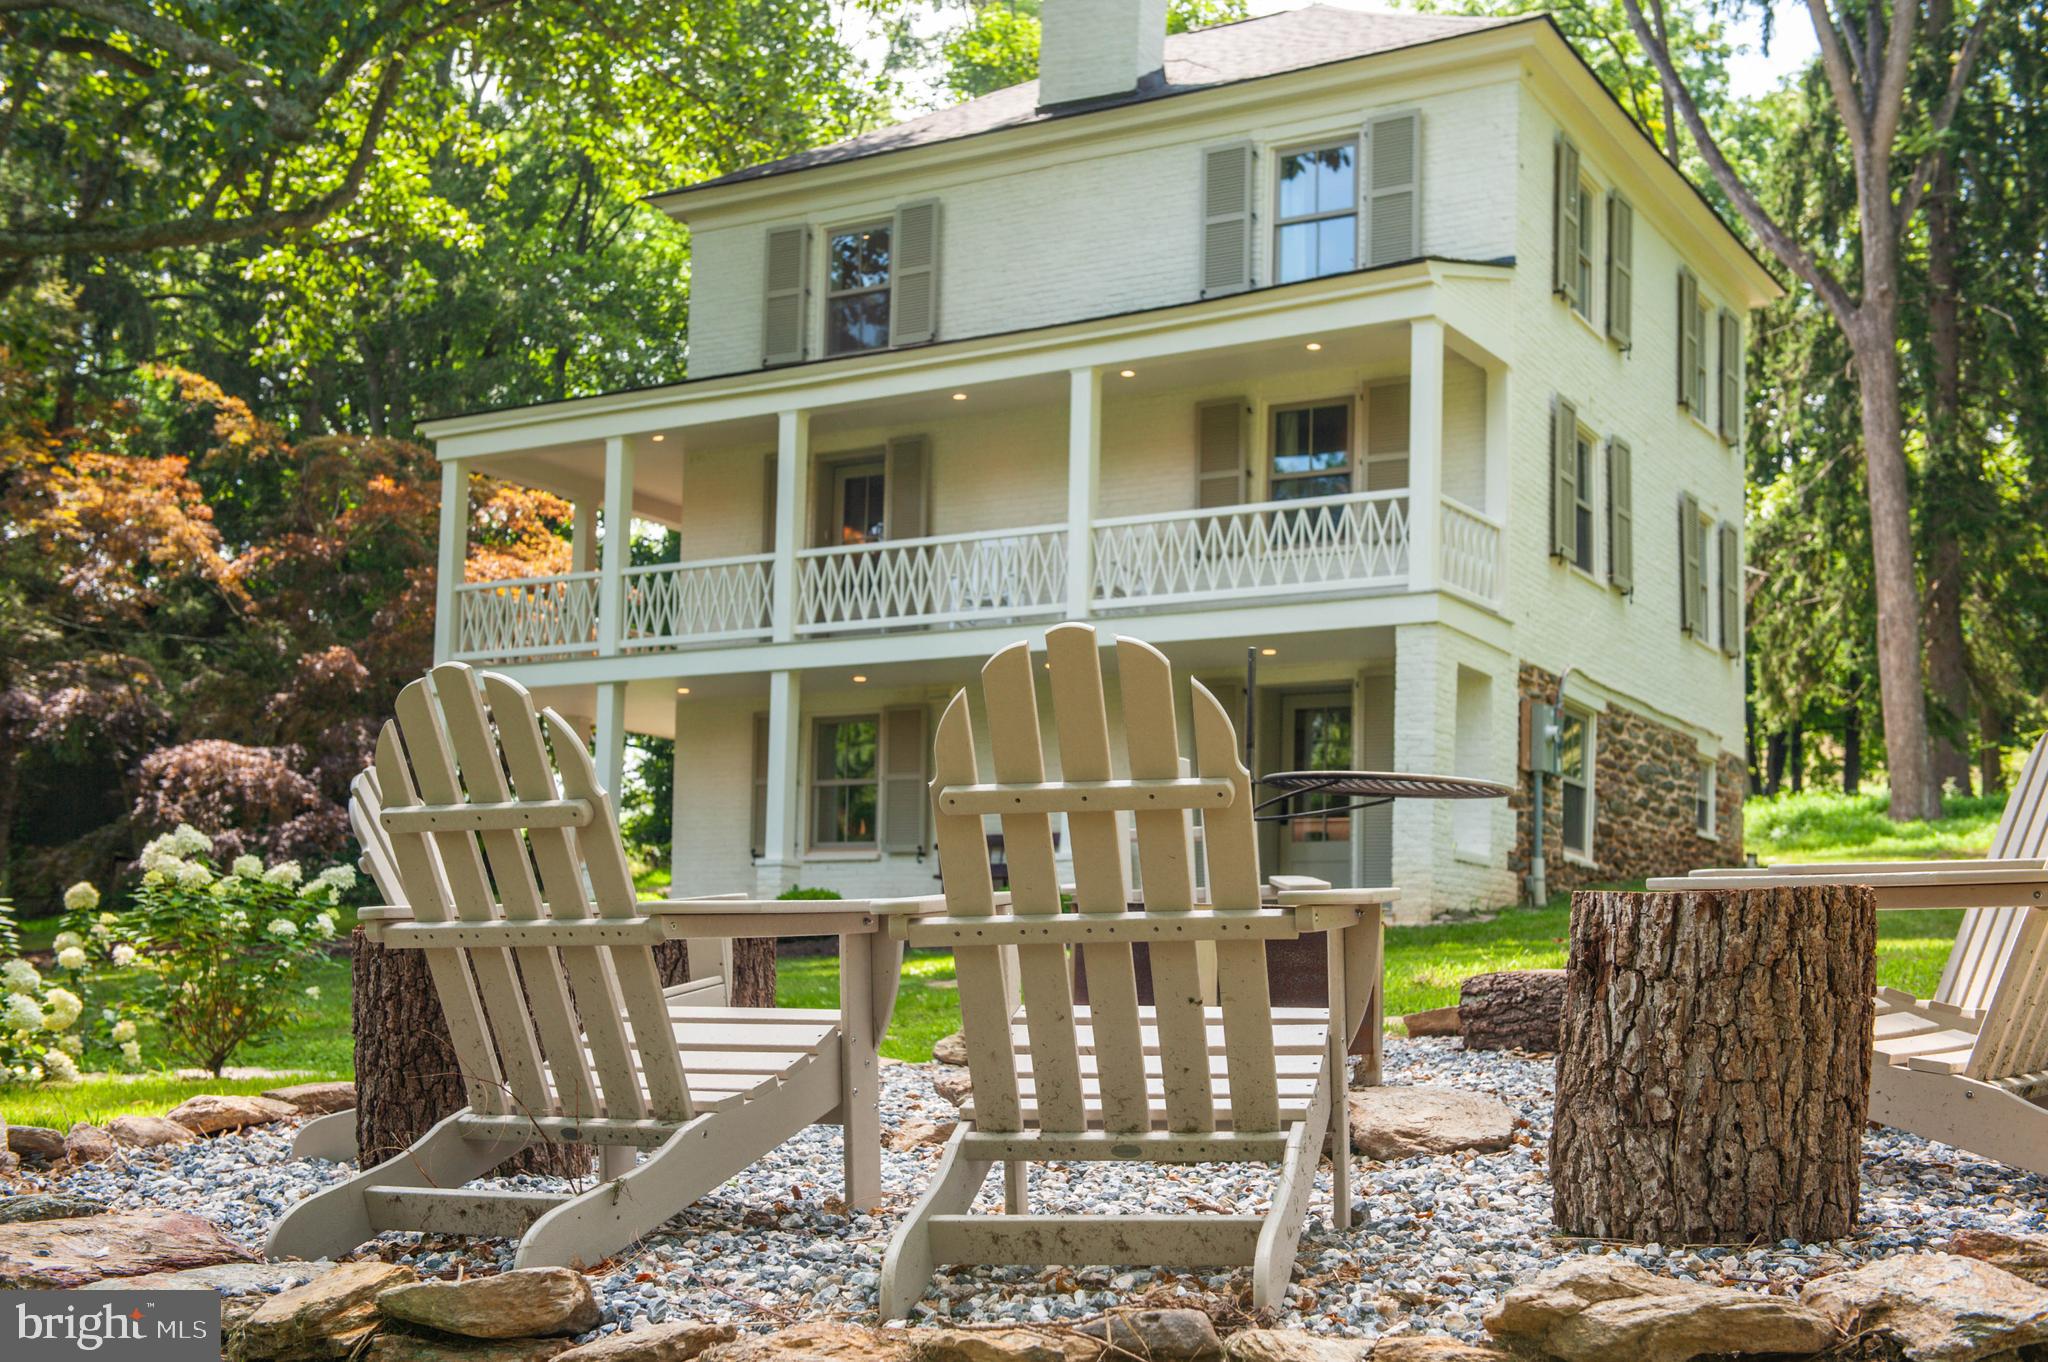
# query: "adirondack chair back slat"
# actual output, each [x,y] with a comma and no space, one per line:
[1986,937]
[2013,1038]
[365,805]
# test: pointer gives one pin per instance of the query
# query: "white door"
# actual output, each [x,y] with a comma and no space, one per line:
[1319,738]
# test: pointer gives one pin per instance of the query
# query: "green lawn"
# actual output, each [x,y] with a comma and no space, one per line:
[1823,825]
[927,1005]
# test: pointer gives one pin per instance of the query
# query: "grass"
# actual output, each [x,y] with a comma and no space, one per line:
[1825,825]
[927,1003]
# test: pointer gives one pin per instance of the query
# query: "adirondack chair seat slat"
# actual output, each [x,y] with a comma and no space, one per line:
[1939,1062]
[1898,1049]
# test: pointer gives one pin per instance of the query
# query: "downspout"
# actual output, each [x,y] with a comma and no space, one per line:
[1539,889]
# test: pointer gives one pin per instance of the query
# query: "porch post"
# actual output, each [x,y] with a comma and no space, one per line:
[611,738]
[1425,450]
[792,513]
[1084,485]
[453,557]
[618,543]
[778,867]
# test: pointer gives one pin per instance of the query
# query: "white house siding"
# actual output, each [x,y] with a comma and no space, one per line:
[1465,432]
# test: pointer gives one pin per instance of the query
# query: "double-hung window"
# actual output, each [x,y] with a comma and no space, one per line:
[845,781]
[1575,780]
[857,289]
[1582,266]
[1316,231]
[859,508]
[1311,451]
[1582,503]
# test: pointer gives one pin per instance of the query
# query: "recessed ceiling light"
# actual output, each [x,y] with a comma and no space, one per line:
[682,690]
[659,438]
[1269,652]
[860,680]
[959,397]
[1315,345]
[1128,373]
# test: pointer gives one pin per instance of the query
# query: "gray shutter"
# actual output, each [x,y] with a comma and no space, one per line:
[1621,516]
[757,826]
[1690,588]
[1564,259]
[1564,480]
[768,503]
[1621,270]
[1731,589]
[782,310]
[1688,338]
[1227,219]
[903,485]
[914,274]
[1220,429]
[1731,377]
[1393,188]
[903,794]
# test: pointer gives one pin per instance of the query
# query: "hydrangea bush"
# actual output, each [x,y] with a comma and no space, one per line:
[223,955]
[43,1024]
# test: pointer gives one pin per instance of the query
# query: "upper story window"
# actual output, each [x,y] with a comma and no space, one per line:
[1582,499]
[1316,231]
[859,508]
[1582,291]
[1311,451]
[857,289]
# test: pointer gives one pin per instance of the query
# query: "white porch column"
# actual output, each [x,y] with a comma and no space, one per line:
[583,543]
[618,542]
[1425,450]
[454,556]
[610,739]
[777,870]
[1084,485]
[792,513]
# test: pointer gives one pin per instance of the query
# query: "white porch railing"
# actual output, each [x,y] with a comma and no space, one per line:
[712,600]
[523,617]
[1356,540]
[945,579]
[1471,547]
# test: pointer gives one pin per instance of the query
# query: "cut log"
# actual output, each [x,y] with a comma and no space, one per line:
[1512,1010]
[1436,1021]
[1713,1075]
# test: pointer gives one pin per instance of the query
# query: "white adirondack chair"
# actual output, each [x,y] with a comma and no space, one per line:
[514,882]
[1174,1083]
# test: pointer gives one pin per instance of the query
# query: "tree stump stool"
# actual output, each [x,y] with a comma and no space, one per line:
[1713,1072]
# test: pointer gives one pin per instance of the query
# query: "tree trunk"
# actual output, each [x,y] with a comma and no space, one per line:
[1713,1076]
[1512,1010]
[753,972]
[1990,751]
[1795,756]
[1774,763]
[1951,475]
[1852,749]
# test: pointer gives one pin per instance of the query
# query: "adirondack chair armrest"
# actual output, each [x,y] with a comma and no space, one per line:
[371,914]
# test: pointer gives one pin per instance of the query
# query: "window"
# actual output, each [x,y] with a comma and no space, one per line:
[1311,451]
[1575,780]
[1582,509]
[1317,221]
[859,508]
[857,289]
[844,783]
[1582,294]
[1703,800]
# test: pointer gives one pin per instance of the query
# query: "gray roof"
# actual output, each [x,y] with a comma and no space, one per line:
[1293,40]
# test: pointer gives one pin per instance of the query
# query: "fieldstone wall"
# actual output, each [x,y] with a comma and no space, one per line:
[1643,780]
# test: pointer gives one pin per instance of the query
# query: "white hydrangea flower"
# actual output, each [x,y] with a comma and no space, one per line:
[19,976]
[312,990]
[71,1043]
[81,898]
[66,940]
[190,841]
[323,926]
[60,1066]
[193,875]
[71,957]
[248,867]
[108,919]
[21,1013]
[124,1031]
[61,1008]
[283,928]
[286,873]
[338,877]
[131,1052]
[124,956]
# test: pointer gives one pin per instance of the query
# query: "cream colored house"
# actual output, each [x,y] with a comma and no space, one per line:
[1383,344]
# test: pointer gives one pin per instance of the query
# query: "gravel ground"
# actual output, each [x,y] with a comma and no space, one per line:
[1434,1244]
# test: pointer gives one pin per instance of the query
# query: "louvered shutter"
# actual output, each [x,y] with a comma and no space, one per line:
[782,310]
[903,484]
[1731,377]
[757,826]
[914,274]
[1387,426]
[1226,219]
[1621,516]
[1220,445]
[1564,480]
[1691,590]
[1621,270]
[1564,259]
[903,795]
[1688,339]
[1730,546]
[1393,188]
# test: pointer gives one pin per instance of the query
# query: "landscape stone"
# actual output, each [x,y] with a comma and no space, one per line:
[525,1303]
[1161,1335]
[678,1342]
[1435,1021]
[329,1316]
[1401,1122]
[2023,1255]
[1938,1307]
[1595,1310]
[35,1142]
[1293,1345]
[914,1133]
[955,1085]
[10,1161]
[985,1345]
[67,1253]
[1435,1348]
[28,1206]
[951,1049]
[207,1113]
[316,1099]
[147,1132]
[262,1277]
[85,1143]
[396,1347]
[815,1341]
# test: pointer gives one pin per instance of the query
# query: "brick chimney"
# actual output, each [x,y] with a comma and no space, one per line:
[1098,49]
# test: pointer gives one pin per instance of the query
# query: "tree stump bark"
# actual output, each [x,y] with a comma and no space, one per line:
[406,1076]
[1513,1010]
[1713,1075]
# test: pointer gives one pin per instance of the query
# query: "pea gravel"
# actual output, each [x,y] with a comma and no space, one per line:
[1435,1240]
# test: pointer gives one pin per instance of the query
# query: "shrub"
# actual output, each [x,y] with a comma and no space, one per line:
[45,1026]
[799,892]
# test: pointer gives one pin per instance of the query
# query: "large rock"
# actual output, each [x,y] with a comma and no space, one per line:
[2023,1255]
[985,1345]
[207,1113]
[1401,1122]
[1160,1335]
[951,1049]
[85,1143]
[1435,1348]
[677,1342]
[395,1347]
[1938,1307]
[61,1254]
[147,1132]
[15,1210]
[955,1085]
[917,1133]
[330,1316]
[526,1303]
[316,1099]
[35,1142]
[817,1341]
[240,1277]
[1435,1021]
[1591,1310]
[1293,1345]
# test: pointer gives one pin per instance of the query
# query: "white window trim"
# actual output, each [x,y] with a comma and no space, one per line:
[826,296]
[809,790]
[1571,854]
[1276,154]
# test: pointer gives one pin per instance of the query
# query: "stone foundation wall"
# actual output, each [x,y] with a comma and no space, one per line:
[1643,782]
